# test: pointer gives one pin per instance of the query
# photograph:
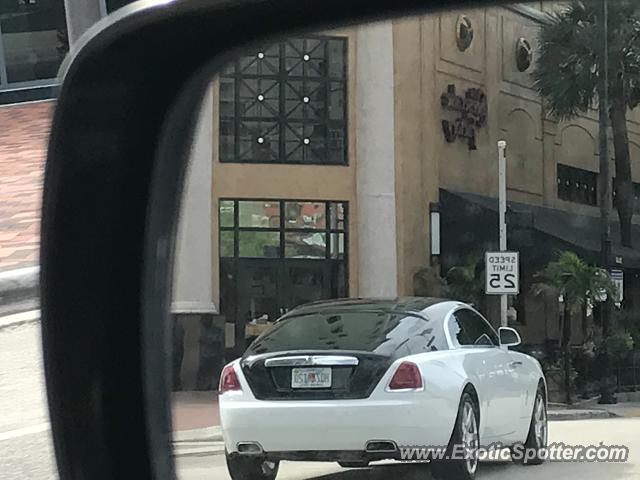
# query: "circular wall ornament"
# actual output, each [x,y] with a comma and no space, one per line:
[524,54]
[464,32]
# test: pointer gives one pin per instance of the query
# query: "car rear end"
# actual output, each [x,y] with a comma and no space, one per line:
[330,404]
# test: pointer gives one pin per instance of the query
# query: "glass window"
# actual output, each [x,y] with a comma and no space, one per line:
[227,243]
[577,185]
[259,214]
[34,39]
[305,215]
[259,244]
[375,331]
[286,104]
[336,215]
[467,328]
[227,213]
[305,245]
[304,233]
[337,245]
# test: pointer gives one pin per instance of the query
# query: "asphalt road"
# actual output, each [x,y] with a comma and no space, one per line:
[25,442]
[618,431]
[26,452]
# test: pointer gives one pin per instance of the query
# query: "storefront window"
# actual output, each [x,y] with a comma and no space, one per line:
[305,232]
[278,254]
[286,103]
[34,40]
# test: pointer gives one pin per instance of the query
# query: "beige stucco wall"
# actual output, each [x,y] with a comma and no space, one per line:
[417,176]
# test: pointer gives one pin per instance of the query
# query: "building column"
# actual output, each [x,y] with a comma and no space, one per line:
[81,15]
[198,330]
[375,168]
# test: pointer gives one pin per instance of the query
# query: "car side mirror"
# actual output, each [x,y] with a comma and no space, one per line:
[509,337]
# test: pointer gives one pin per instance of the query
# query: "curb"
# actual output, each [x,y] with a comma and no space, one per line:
[19,319]
[207,434]
[198,442]
[18,287]
[559,415]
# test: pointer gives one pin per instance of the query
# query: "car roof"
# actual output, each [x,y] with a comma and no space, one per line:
[416,305]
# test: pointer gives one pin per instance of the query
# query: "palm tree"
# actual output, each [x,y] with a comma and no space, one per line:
[579,284]
[465,282]
[567,71]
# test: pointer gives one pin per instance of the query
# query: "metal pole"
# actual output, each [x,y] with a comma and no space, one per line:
[502,212]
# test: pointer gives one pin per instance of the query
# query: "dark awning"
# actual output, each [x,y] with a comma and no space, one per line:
[580,230]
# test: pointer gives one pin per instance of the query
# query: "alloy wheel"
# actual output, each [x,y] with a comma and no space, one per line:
[470,437]
[540,423]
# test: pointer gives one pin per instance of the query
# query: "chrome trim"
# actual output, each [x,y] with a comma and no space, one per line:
[391,443]
[312,360]
[252,444]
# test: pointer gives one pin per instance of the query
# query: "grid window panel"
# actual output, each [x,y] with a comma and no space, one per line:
[286,104]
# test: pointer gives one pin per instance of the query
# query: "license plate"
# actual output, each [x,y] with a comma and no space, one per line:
[310,377]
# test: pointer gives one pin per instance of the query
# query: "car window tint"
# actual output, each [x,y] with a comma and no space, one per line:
[469,328]
[380,332]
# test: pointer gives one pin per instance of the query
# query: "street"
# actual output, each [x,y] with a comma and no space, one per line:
[26,452]
[618,431]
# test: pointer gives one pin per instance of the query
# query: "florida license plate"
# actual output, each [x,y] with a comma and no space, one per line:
[310,378]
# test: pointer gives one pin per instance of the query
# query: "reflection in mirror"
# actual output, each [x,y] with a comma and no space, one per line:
[353,235]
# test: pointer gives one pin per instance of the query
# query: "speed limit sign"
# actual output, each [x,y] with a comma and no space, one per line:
[502,273]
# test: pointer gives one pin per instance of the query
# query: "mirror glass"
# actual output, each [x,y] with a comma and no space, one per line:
[373,163]
[508,336]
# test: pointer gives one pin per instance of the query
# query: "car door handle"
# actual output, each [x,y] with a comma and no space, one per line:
[515,364]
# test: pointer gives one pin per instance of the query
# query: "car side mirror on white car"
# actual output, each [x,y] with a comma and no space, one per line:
[509,337]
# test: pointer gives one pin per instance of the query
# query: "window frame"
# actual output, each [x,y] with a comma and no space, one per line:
[281,119]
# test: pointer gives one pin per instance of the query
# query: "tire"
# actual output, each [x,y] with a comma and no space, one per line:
[465,432]
[361,464]
[243,467]
[536,441]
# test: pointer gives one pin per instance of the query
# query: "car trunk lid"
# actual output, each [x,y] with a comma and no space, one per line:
[314,375]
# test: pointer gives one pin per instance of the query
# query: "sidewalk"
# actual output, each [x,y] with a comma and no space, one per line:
[196,420]
[591,410]
[195,410]
[23,147]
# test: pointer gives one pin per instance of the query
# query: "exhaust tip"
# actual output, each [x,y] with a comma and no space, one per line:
[249,448]
[381,446]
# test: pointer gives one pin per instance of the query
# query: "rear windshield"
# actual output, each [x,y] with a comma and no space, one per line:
[385,333]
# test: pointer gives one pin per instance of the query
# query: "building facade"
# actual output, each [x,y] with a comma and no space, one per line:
[321,162]
[330,152]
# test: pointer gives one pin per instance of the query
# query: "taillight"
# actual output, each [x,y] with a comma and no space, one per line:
[229,380]
[407,376]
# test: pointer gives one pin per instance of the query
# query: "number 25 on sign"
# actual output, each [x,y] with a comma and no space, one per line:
[502,273]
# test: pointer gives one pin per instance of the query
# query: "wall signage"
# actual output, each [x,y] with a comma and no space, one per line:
[471,114]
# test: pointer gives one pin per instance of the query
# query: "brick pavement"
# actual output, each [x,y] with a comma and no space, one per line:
[24,130]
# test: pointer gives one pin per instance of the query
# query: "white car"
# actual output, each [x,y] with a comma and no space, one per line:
[354,381]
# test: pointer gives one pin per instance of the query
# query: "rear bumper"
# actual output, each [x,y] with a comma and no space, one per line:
[331,428]
[331,456]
